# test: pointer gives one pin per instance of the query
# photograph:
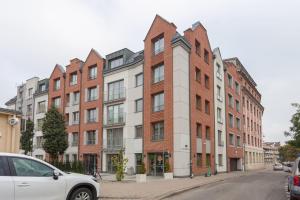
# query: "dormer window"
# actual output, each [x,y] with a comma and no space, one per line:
[158,45]
[42,87]
[116,62]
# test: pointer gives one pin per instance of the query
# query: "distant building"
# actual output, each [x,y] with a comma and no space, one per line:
[271,153]
[9,130]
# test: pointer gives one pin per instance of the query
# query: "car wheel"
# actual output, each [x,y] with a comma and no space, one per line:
[82,194]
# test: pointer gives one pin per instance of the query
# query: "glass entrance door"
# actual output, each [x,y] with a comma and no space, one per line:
[156,164]
[90,163]
[110,166]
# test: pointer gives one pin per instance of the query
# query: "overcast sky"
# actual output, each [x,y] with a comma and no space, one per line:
[265,35]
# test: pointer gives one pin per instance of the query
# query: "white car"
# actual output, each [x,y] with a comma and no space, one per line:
[277,166]
[27,178]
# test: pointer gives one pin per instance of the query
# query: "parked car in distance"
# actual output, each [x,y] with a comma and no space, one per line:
[27,178]
[294,181]
[277,166]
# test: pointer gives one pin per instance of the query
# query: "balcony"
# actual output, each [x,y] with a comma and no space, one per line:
[113,145]
[118,119]
[118,95]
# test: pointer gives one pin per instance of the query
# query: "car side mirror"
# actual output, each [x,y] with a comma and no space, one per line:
[55,174]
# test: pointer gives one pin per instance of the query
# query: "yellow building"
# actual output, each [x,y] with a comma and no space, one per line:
[10,121]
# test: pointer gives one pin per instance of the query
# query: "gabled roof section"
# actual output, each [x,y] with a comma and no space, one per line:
[92,51]
[159,18]
[11,101]
[217,51]
[60,68]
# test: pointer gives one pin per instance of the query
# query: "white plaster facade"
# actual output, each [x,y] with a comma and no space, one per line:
[220,118]
[131,144]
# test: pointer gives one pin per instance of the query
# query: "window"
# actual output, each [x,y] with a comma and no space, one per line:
[116,90]
[139,131]
[158,73]
[199,130]
[237,105]
[40,124]
[219,97]
[74,157]
[4,170]
[199,159]
[230,82]
[230,101]
[158,131]
[158,102]
[139,79]
[116,62]
[230,120]
[207,160]
[139,163]
[238,141]
[220,158]
[91,137]
[218,72]
[28,167]
[158,46]
[238,123]
[42,87]
[237,88]
[29,109]
[67,99]
[116,114]
[91,115]
[73,79]
[219,115]
[92,93]
[207,132]
[67,158]
[92,72]
[41,107]
[198,47]
[206,56]
[75,117]
[207,107]
[206,81]
[76,97]
[30,93]
[39,142]
[198,102]
[115,138]
[231,139]
[139,105]
[198,74]
[220,141]
[56,102]
[75,139]
[56,84]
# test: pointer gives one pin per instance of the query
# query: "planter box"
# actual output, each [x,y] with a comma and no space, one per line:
[168,175]
[140,178]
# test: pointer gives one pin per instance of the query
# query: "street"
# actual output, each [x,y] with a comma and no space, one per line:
[263,185]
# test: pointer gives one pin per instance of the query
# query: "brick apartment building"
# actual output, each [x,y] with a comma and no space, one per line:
[171,102]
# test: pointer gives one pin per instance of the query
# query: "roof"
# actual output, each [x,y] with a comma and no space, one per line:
[179,38]
[9,111]
[11,101]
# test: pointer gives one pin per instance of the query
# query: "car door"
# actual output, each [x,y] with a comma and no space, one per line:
[6,181]
[34,180]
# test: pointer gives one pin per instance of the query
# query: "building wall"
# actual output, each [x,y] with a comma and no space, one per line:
[9,135]
[234,151]
[198,32]
[219,101]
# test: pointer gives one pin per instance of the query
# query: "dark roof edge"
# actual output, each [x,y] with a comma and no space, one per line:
[9,111]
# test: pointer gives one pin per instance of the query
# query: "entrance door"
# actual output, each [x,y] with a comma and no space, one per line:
[156,164]
[90,163]
[233,164]
[110,166]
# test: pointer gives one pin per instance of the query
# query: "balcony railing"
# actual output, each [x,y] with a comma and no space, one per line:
[117,119]
[111,96]
[113,145]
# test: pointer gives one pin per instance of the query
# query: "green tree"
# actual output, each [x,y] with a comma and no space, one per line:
[27,137]
[294,131]
[54,133]
[120,163]
[288,153]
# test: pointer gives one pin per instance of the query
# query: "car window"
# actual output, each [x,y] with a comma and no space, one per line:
[27,167]
[4,171]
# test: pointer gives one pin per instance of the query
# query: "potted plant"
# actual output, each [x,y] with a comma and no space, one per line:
[141,173]
[167,170]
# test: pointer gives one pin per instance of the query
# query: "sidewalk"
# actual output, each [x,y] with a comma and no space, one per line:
[158,188]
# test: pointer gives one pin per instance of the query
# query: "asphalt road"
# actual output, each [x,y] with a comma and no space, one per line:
[263,185]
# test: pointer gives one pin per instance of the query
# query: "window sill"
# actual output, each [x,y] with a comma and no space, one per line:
[160,140]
